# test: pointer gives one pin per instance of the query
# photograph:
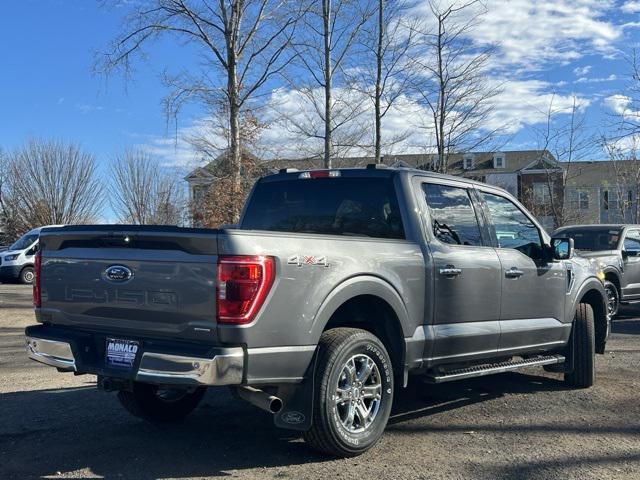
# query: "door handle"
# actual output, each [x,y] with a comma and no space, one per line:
[450,271]
[513,272]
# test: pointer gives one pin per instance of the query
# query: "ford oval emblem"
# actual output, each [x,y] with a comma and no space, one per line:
[118,273]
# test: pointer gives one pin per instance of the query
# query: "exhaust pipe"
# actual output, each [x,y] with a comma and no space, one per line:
[260,399]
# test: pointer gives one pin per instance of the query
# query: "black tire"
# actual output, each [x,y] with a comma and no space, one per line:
[27,275]
[152,403]
[337,349]
[582,348]
[613,298]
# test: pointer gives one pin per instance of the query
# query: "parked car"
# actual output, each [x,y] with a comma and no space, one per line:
[336,286]
[616,248]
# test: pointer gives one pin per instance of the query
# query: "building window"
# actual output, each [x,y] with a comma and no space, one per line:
[498,161]
[541,195]
[610,200]
[468,163]
[579,200]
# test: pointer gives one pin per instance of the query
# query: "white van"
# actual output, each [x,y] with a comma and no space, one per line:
[16,263]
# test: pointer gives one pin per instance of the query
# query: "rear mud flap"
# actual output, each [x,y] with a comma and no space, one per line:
[297,410]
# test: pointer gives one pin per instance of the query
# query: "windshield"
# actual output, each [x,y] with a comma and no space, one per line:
[24,241]
[336,206]
[593,239]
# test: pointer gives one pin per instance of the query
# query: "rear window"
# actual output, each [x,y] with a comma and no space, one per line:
[593,239]
[366,207]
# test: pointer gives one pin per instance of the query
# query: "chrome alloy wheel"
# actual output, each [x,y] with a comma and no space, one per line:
[612,299]
[358,393]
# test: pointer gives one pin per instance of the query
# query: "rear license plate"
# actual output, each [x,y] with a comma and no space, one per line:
[121,353]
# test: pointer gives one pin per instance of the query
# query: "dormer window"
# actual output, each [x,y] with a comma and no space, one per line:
[498,161]
[468,162]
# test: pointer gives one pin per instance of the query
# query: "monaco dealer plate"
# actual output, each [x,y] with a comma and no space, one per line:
[121,353]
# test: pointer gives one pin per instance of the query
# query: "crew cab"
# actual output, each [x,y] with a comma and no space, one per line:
[616,249]
[335,287]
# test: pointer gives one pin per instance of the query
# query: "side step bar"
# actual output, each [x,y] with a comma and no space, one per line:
[490,369]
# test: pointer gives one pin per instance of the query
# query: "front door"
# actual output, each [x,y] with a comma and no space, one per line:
[533,289]
[631,256]
[466,274]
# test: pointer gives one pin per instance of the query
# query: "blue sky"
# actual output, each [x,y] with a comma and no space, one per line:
[547,47]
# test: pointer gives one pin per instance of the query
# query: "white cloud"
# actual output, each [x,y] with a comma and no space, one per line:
[532,33]
[618,104]
[86,108]
[631,7]
[582,71]
[610,78]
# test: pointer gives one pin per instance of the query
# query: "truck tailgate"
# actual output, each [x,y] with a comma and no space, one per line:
[148,281]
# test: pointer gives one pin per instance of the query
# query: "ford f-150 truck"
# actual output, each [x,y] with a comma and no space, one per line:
[616,249]
[335,286]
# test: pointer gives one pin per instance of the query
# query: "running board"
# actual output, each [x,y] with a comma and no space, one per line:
[490,369]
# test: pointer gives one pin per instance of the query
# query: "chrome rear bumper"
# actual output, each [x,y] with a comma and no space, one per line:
[51,352]
[226,368]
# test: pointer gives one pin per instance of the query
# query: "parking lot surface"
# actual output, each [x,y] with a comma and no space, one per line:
[517,425]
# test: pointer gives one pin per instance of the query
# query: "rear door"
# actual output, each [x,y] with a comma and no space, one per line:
[466,277]
[631,255]
[151,281]
[533,289]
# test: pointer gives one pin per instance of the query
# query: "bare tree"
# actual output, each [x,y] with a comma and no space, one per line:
[626,115]
[565,137]
[625,168]
[325,47]
[244,43]
[388,42]
[49,182]
[141,193]
[455,89]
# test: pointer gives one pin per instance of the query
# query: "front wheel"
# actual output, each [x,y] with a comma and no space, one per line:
[27,275]
[582,348]
[613,298]
[353,393]
[160,404]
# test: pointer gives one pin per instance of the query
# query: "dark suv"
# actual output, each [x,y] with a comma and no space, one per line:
[616,249]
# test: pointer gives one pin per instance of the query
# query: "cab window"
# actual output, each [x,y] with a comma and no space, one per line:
[511,227]
[453,218]
[632,242]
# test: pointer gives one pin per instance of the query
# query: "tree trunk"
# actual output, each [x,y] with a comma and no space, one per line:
[326,16]
[233,92]
[379,81]
[442,160]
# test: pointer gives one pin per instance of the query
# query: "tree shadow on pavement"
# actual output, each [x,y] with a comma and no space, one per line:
[67,430]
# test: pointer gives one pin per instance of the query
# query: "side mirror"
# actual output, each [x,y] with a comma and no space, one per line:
[562,248]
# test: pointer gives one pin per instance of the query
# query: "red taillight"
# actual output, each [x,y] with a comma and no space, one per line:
[37,292]
[243,285]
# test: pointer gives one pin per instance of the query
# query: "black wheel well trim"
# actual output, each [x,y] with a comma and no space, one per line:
[28,265]
[615,274]
[376,315]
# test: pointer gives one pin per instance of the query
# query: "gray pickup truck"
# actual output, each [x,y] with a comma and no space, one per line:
[336,286]
[616,249]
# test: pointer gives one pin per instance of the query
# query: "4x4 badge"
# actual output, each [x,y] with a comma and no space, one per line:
[301,260]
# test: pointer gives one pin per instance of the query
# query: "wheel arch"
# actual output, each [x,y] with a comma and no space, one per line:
[372,304]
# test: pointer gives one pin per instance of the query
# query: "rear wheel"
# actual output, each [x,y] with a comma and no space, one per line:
[582,348]
[353,393]
[27,275]
[160,404]
[613,298]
